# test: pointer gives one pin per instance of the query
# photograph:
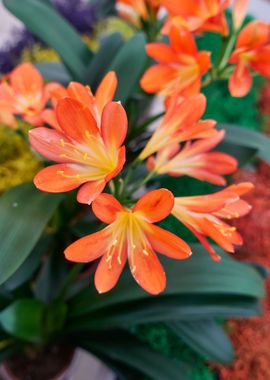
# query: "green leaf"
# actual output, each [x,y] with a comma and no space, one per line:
[109,46]
[30,265]
[164,308]
[138,356]
[51,277]
[129,64]
[248,138]
[54,72]
[197,275]
[205,337]
[24,212]
[23,319]
[47,24]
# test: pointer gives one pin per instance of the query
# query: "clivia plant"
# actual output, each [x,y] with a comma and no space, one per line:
[102,212]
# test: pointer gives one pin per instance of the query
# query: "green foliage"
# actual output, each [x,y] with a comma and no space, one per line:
[129,64]
[206,338]
[24,213]
[23,319]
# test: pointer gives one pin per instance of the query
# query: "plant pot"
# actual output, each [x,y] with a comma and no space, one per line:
[7,372]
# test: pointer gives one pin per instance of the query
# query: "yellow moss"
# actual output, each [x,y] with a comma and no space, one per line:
[38,53]
[114,25]
[18,164]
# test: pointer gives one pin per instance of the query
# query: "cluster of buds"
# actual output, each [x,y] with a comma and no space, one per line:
[84,134]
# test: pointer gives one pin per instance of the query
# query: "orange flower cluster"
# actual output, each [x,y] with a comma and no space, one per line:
[84,135]
[137,11]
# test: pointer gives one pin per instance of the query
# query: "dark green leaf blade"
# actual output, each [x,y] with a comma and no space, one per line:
[109,46]
[205,337]
[138,356]
[54,72]
[24,212]
[197,275]
[128,65]
[247,137]
[58,34]
[181,308]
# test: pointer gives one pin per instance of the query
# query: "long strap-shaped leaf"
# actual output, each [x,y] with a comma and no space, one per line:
[197,275]
[44,21]
[248,138]
[125,348]
[205,337]
[181,308]
[24,212]
[128,65]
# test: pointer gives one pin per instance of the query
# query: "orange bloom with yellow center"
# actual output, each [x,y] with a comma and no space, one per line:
[136,10]
[180,65]
[130,235]
[252,52]
[181,123]
[83,94]
[194,160]
[87,155]
[198,16]
[203,216]
[23,93]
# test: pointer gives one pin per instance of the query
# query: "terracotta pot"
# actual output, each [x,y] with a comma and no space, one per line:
[6,373]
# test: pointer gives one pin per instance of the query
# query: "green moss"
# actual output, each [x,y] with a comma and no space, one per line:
[161,339]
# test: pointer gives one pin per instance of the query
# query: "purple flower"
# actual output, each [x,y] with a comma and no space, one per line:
[82,15]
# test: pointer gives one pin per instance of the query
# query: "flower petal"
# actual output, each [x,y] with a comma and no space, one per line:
[161,52]
[82,94]
[254,35]
[167,243]
[88,248]
[182,40]
[49,117]
[106,207]
[239,12]
[114,124]
[120,163]
[155,205]
[157,77]
[240,81]
[7,98]
[147,271]
[59,178]
[26,80]
[90,191]
[75,120]
[106,90]
[108,272]
[51,144]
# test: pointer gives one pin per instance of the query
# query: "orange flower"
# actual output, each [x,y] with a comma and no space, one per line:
[95,103]
[198,16]
[252,51]
[24,94]
[181,123]
[194,160]
[130,235]
[180,65]
[203,216]
[136,10]
[87,155]
[239,13]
